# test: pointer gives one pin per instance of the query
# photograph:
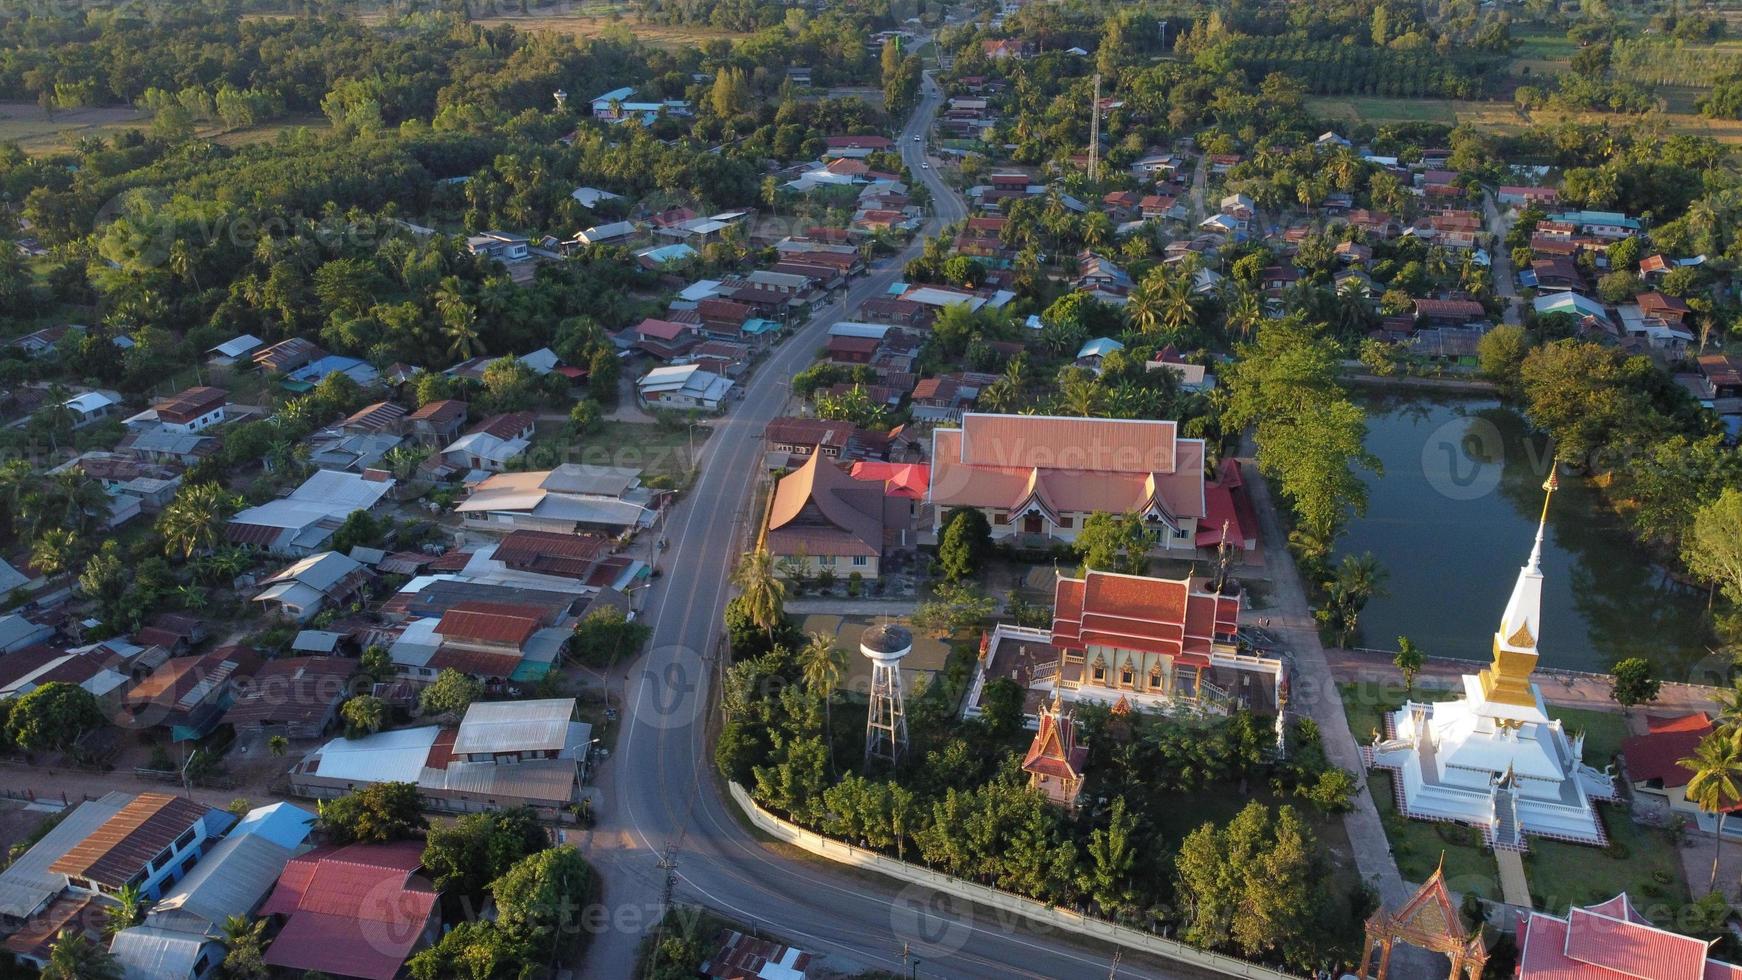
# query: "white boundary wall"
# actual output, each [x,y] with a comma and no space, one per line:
[1063,919]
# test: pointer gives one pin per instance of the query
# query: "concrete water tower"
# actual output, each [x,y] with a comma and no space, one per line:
[886,725]
[562,99]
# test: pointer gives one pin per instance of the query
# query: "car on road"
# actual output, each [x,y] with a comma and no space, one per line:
[916,139]
[925,166]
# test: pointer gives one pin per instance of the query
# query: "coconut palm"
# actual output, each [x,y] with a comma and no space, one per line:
[243,940]
[1246,313]
[193,522]
[763,592]
[52,552]
[1177,312]
[129,908]
[1145,304]
[364,713]
[74,957]
[821,664]
[277,745]
[1716,785]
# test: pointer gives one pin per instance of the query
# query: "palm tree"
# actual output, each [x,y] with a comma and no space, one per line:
[277,745]
[52,553]
[243,940]
[461,329]
[194,521]
[364,713]
[128,910]
[821,665]
[1145,304]
[1177,312]
[1716,785]
[763,592]
[74,957]
[1246,312]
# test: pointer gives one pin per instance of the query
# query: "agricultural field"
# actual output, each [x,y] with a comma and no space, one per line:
[39,132]
[1503,117]
[592,20]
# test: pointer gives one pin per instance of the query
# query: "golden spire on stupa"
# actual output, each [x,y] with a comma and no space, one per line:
[1507,679]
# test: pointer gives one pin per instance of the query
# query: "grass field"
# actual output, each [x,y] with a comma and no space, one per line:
[1502,117]
[36,132]
[591,20]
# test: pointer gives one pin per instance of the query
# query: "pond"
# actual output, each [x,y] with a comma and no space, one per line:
[1452,519]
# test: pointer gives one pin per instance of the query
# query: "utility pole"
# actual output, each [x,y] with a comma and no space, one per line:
[1095,131]
[668,864]
[1113,971]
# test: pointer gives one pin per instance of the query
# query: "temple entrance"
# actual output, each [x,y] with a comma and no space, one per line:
[1429,921]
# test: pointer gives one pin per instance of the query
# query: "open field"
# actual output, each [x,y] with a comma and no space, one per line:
[600,19]
[1502,117]
[267,132]
[37,132]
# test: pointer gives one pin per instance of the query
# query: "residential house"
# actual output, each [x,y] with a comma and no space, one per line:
[683,386]
[302,523]
[436,423]
[187,695]
[1100,278]
[1375,223]
[354,911]
[89,408]
[1240,207]
[1038,478]
[492,444]
[188,411]
[820,519]
[504,753]
[1723,374]
[164,446]
[18,632]
[1600,224]
[851,351]
[941,399]
[45,342]
[1518,196]
[286,355]
[740,957]
[234,350]
[499,245]
[569,499]
[303,589]
[296,697]
[98,671]
[149,953]
[609,233]
[1449,312]
[148,841]
[1556,273]
[790,439]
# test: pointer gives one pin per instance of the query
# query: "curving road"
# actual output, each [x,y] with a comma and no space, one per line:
[658,795]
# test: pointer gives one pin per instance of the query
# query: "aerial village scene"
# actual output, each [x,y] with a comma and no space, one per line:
[798,489]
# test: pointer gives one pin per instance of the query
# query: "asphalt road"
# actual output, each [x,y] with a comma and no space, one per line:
[658,796]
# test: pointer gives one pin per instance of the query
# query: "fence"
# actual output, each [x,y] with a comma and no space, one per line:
[1062,919]
[1473,666]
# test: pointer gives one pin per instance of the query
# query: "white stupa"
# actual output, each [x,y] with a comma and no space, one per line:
[1494,759]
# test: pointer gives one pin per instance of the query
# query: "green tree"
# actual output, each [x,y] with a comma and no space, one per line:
[1001,707]
[1716,784]
[127,912]
[965,543]
[244,945]
[477,950]
[1409,660]
[1115,543]
[278,745]
[450,694]
[53,716]
[377,813]
[539,899]
[1713,548]
[1253,884]
[605,635]
[952,608]
[376,663]
[1357,579]
[1633,682]
[1107,877]
[463,857]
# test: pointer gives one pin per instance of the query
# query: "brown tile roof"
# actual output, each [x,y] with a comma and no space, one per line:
[127,841]
[183,407]
[185,682]
[1136,612]
[809,432]
[551,553]
[506,426]
[440,413]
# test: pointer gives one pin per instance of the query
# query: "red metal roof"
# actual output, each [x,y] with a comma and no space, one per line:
[1658,755]
[1135,612]
[1610,941]
[354,911]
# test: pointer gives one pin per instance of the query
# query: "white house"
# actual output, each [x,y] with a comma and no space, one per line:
[302,523]
[683,386]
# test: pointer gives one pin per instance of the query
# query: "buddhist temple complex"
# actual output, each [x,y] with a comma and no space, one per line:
[1055,761]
